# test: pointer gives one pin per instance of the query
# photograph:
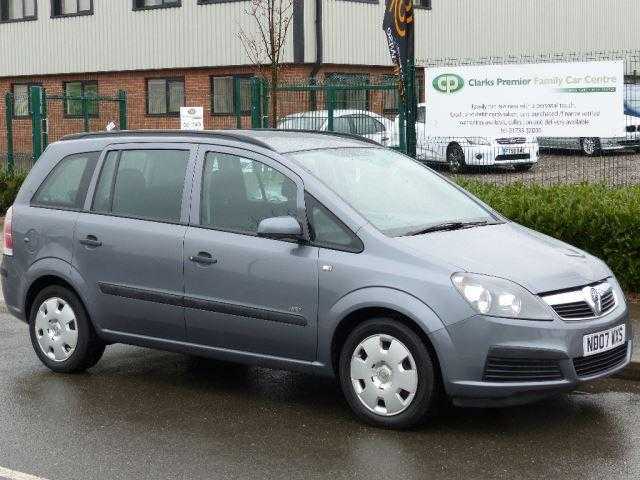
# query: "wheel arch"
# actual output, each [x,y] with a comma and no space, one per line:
[379,302]
[351,321]
[52,271]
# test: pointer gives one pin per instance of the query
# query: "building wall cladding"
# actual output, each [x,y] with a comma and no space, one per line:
[116,38]
[197,93]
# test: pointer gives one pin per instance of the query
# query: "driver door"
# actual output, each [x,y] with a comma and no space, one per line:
[246,293]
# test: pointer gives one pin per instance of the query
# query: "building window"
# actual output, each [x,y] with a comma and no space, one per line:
[71,8]
[165,96]
[227,92]
[17,10]
[422,4]
[149,4]
[74,92]
[358,98]
[21,100]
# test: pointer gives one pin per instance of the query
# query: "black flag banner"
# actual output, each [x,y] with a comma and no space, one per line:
[398,26]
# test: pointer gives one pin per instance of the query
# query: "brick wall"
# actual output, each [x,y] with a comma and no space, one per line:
[197,93]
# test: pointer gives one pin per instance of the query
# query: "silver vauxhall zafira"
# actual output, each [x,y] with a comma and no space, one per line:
[308,251]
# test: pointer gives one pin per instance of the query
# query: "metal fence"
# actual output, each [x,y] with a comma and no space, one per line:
[546,161]
[342,103]
[34,121]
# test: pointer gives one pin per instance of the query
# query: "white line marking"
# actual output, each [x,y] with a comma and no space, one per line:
[13,475]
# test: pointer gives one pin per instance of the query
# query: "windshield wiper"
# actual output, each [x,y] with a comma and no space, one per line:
[447,226]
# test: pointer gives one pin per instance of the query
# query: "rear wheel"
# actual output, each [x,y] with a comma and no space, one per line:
[387,374]
[590,146]
[61,333]
[455,158]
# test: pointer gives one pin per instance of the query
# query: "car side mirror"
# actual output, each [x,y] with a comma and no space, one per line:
[280,228]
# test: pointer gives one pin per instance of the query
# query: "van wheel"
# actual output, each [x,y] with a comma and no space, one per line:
[590,146]
[455,158]
[387,374]
[61,333]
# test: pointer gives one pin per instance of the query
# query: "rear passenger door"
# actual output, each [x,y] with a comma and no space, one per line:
[242,292]
[129,240]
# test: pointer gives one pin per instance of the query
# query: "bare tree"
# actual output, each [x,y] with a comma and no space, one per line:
[264,45]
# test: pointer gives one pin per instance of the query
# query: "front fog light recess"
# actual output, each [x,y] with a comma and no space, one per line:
[498,297]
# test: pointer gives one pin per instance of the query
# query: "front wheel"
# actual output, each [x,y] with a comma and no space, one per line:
[590,146]
[455,158]
[61,333]
[387,374]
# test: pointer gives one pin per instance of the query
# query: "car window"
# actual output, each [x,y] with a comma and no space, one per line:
[146,184]
[327,231]
[66,185]
[365,125]
[342,125]
[102,197]
[238,193]
[422,115]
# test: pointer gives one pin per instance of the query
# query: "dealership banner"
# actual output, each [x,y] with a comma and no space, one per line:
[398,26]
[538,100]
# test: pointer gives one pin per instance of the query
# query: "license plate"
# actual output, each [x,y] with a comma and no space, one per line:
[603,341]
[513,150]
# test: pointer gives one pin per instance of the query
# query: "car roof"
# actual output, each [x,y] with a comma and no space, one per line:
[324,114]
[280,141]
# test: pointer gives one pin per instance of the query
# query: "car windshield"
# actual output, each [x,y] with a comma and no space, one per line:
[396,194]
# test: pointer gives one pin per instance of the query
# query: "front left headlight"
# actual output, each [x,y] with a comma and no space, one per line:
[498,297]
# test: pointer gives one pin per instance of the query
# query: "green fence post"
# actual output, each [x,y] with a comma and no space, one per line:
[330,103]
[402,123]
[122,110]
[85,111]
[256,113]
[265,103]
[236,102]
[45,121]
[8,101]
[35,95]
[411,106]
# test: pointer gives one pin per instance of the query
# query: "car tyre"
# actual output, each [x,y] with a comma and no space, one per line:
[61,333]
[455,158]
[590,146]
[384,402]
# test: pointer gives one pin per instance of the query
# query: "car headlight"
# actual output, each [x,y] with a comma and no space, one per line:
[478,141]
[498,297]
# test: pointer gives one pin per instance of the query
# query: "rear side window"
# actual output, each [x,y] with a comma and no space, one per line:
[145,184]
[327,231]
[66,186]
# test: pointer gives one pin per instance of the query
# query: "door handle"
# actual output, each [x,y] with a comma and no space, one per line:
[203,258]
[91,241]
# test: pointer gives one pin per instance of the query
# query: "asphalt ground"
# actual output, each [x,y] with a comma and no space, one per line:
[144,414]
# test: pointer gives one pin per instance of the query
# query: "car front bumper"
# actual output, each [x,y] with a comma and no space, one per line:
[608,144]
[496,155]
[464,348]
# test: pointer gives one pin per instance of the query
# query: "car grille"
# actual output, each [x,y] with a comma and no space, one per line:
[503,369]
[600,362]
[580,304]
[511,141]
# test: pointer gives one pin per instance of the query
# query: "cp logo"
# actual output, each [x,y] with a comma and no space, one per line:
[448,83]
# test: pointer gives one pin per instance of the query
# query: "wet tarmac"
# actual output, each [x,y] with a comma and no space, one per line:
[146,414]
